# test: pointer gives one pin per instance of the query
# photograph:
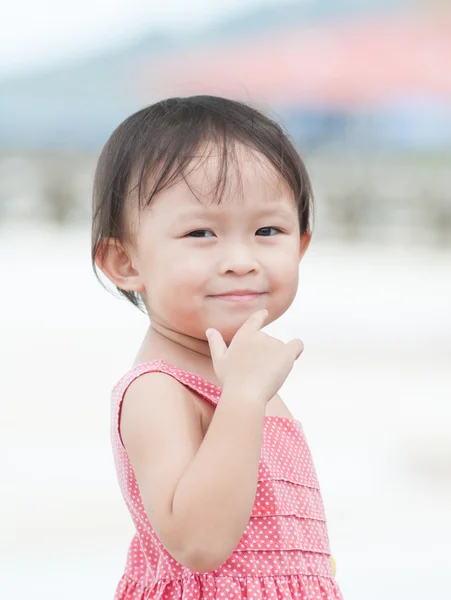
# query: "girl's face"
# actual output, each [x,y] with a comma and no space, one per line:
[188,253]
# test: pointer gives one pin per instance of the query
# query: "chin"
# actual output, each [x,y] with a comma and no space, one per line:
[228,335]
[228,331]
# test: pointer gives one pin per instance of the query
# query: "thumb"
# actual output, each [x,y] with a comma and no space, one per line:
[217,345]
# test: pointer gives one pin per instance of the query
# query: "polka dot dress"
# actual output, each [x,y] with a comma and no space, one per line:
[284,551]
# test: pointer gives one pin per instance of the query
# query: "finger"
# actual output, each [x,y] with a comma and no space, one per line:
[296,348]
[217,345]
[255,321]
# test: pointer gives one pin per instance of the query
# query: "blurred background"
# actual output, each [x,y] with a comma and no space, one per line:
[364,89]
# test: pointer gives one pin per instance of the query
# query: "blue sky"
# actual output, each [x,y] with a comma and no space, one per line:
[33,33]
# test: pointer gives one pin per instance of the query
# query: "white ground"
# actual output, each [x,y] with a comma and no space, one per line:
[373,390]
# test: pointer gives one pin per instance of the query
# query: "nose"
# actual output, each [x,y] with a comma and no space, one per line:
[239,259]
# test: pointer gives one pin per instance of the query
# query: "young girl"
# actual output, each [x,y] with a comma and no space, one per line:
[201,214]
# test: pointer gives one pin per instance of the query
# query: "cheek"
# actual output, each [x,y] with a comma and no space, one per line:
[177,284]
[177,268]
[283,280]
[186,273]
[284,268]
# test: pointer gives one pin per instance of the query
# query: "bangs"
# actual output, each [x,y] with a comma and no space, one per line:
[174,164]
[176,156]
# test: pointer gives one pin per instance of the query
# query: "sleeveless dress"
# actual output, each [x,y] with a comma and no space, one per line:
[284,551]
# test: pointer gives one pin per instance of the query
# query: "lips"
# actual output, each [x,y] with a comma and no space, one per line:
[240,293]
[239,296]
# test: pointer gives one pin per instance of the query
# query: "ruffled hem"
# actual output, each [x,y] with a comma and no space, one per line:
[197,587]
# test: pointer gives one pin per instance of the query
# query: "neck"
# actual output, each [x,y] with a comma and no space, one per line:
[179,349]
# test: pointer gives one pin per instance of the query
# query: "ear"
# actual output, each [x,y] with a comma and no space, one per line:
[305,242]
[115,262]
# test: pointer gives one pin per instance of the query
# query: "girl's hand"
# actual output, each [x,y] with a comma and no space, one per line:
[253,361]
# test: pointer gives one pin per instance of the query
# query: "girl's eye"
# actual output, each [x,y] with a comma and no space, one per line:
[198,233]
[267,229]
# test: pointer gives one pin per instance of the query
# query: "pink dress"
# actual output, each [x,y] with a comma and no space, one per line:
[284,551]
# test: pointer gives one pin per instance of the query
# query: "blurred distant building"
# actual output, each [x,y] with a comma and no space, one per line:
[363,87]
[333,81]
[331,68]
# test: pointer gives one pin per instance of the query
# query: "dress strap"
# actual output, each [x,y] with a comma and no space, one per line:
[206,389]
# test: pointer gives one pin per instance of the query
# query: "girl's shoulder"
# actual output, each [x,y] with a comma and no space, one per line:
[155,396]
[201,386]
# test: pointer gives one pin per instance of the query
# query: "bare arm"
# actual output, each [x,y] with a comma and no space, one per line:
[198,493]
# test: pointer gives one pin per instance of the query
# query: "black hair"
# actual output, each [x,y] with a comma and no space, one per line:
[157,144]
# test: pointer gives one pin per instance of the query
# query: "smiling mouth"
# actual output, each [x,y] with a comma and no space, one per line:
[238,297]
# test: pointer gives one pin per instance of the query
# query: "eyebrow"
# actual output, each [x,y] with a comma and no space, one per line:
[203,214]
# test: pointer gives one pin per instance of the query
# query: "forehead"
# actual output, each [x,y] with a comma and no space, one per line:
[214,182]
